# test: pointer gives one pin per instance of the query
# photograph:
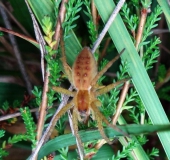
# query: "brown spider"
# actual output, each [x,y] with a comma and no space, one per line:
[84,76]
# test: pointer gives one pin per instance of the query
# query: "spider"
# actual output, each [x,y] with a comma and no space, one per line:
[84,76]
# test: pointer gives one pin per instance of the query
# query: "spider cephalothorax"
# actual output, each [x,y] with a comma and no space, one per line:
[84,76]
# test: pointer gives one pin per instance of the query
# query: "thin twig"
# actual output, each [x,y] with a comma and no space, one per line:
[141,27]
[15,20]
[108,24]
[144,13]
[60,21]
[120,103]
[103,53]
[43,106]
[7,45]
[100,144]
[19,35]
[2,118]
[16,51]
[39,38]
[94,13]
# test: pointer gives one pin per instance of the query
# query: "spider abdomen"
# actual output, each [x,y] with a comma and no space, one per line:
[84,69]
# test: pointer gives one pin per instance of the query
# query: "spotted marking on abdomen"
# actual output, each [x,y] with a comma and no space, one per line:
[85,65]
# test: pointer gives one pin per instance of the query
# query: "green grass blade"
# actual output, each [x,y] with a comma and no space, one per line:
[165,8]
[68,139]
[140,78]
[42,8]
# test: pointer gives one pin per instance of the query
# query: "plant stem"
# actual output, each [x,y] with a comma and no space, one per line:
[59,22]
[141,27]
[43,106]
[94,13]
[2,118]
[120,103]
[108,24]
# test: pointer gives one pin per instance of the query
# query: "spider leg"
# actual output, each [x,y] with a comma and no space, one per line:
[99,117]
[110,87]
[67,68]
[109,64]
[75,127]
[63,91]
[57,117]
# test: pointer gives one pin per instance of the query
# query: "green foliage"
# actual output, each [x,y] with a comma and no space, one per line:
[2,132]
[1,34]
[90,24]
[15,139]
[136,4]
[63,153]
[130,97]
[48,30]
[29,125]
[125,151]
[133,104]
[151,53]
[55,70]
[37,93]
[56,7]
[130,19]
[16,104]
[53,63]
[61,125]
[146,4]
[72,7]
[29,135]
[150,24]
[161,73]
[164,93]
[5,106]
[3,153]
[154,153]
[109,101]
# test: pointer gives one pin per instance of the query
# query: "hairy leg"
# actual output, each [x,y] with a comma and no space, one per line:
[67,68]
[57,117]
[63,91]
[110,87]
[105,68]
[99,117]
[75,127]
